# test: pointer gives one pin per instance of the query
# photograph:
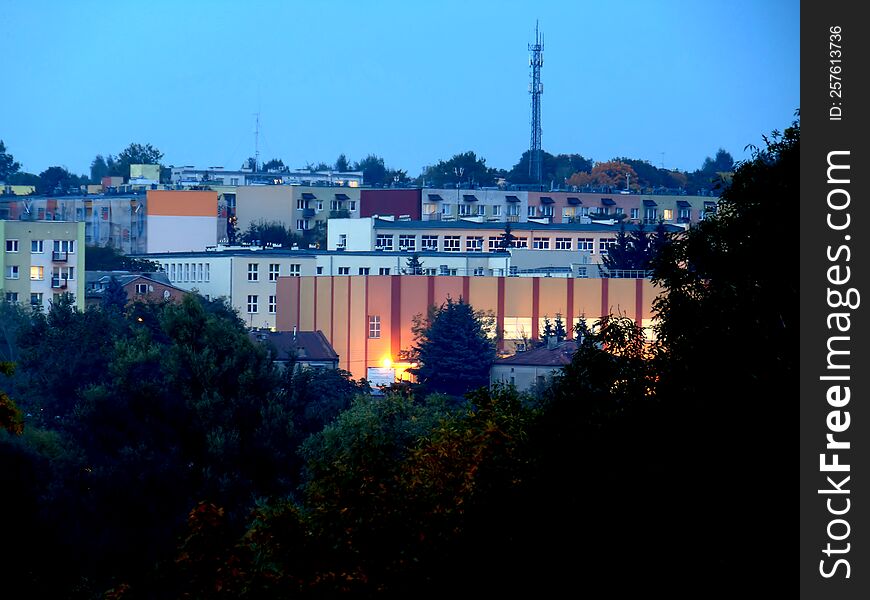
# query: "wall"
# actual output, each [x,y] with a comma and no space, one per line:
[340,307]
[181,220]
[394,202]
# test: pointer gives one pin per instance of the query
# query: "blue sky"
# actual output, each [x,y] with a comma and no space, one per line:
[669,81]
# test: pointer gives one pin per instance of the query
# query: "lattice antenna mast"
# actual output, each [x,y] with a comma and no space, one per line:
[257,143]
[536,88]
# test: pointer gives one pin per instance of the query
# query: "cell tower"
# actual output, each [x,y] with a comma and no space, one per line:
[536,88]
[257,144]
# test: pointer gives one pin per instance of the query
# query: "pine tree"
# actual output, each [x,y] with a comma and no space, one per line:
[414,266]
[559,328]
[114,296]
[507,238]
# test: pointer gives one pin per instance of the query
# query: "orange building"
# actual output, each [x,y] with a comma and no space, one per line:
[181,220]
[368,319]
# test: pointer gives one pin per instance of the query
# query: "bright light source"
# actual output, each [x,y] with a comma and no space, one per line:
[387,362]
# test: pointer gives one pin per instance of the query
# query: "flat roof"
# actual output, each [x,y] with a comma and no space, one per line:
[500,226]
[310,252]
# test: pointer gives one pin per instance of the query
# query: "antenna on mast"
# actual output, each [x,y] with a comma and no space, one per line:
[257,143]
[536,88]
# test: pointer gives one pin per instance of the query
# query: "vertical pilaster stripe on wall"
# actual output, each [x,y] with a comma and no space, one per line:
[638,301]
[466,288]
[366,328]
[569,318]
[605,287]
[536,303]
[349,286]
[395,316]
[499,312]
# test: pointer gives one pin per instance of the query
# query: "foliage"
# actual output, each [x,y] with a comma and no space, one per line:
[507,238]
[414,266]
[275,164]
[57,180]
[8,165]
[101,167]
[107,258]
[373,169]
[272,233]
[114,296]
[341,163]
[11,418]
[453,348]
[612,174]
[555,169]
[474,171]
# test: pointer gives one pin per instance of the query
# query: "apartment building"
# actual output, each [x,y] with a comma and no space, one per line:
[386,235]
[42,260]
[298,208]
[482,204]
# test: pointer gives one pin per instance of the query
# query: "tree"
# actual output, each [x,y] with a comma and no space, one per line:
[100,167]
[250,163]
[445,173]
[414,265]
[341,163]
[373,169]
[453,348]
[275,164]
[263,233]
[107,258]
[507,238]
[559,328]
[11,418]
[134,154]
[57,180]
[556,169]
[8,165]
[114,296]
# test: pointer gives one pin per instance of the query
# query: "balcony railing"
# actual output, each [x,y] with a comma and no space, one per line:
[58,283]
[59,256]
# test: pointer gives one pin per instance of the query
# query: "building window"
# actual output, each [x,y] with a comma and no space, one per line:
[685,214]
[234,181]
[11,296]
[352,205]
[12,272]
[384,271]
[635,212]
[199,271]
[384,241]
[374,327]
[342,240]
[141,288]
[408,242]
[532,211]
[429,242]
[568,212]
[206,274]
[668,214]
[587,244]
[563,243]
[464,210]
[481,210]
[541,243]
[445,209]
[273,304]
[36,246]
[546,211]
[274,271]
[513,210]
[474,244]
[364,270]
[186,272]
[650,214]
[303,224]
[584,211]
[301,204]
[171,271]
[493,243]
[11,245]
[37,273]
[253,272]
[59,274]
[479,271]
[65,246]
[496,210]
[344,270]
[451,243]
[319,205]
[521,242]
[606,243]
[36,299]
[295,270]
[252,303]
[618,211]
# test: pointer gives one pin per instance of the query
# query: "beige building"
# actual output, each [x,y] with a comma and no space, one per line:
[298,208]
[42,260]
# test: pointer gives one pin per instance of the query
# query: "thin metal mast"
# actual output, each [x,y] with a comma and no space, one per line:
[536,88]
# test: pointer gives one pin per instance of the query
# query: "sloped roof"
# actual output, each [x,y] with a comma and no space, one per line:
[543,356]
[307,345]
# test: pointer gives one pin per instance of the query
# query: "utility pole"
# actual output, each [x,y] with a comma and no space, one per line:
[257,143]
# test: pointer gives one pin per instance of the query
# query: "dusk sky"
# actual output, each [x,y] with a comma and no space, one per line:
[414,82]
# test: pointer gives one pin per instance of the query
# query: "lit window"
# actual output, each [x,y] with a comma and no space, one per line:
[37,273]
[11,245]
[374,327]
[253,272]
[252,303]
[274,269]
[667,214]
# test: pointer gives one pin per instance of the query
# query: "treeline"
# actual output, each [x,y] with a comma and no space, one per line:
[465,168]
